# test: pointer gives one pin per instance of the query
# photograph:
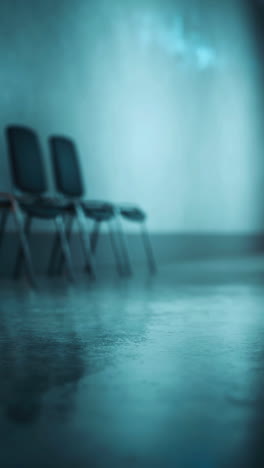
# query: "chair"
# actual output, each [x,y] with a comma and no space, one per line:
[69,183]
[31,201]
[135,214]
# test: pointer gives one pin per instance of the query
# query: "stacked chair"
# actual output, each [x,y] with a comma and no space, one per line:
[30,201]
[69,183]
[136,215]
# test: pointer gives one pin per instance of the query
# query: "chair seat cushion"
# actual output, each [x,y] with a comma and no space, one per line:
[98,211]
[45,208]
[132,213]
[4,204]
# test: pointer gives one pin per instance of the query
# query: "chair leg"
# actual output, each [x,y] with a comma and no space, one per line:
[65,247]
[68,232]
[20,256]
[3,222]
[24,245]
[124,249]
[87,248]
[56,259]
[94,236]
[118,259]
[148,249]
[53,255]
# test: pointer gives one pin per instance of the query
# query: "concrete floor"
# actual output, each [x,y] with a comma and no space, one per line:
[161,372]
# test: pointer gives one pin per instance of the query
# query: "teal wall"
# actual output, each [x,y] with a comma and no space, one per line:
[172,124]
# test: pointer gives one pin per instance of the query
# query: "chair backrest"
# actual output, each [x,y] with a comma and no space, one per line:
[26,160]
[66,166]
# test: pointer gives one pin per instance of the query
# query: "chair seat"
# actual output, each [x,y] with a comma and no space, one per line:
[4,204]
[132,213]
[45,209]
[98,211]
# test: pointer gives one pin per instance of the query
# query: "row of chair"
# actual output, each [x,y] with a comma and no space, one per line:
[29,200]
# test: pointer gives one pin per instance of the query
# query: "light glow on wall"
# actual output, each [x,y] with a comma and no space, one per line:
[161,96]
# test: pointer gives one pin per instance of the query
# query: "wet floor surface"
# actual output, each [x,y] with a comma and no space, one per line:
[162,372]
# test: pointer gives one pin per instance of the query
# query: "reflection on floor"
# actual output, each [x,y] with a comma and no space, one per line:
[149,372]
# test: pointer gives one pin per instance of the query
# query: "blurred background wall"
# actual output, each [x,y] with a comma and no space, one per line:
[162,97]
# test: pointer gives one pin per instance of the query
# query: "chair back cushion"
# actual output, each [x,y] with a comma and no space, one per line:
[26,161]
[66,166]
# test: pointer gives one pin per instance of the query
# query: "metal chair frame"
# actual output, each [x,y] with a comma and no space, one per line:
[144,234]
[57,259]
